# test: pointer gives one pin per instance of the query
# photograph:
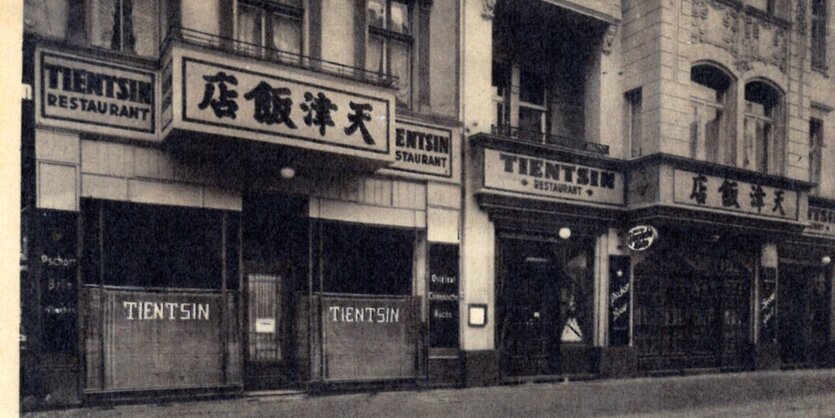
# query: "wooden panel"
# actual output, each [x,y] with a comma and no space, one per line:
[369,338]
[155,340]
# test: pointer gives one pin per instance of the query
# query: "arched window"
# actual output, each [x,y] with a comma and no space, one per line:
[763,144]
[711,138]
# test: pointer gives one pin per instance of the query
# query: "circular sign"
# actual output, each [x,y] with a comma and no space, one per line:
[641,237]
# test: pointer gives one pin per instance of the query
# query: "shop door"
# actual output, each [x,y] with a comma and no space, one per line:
[268,348]
[530,325]
[735,324]
[791,306]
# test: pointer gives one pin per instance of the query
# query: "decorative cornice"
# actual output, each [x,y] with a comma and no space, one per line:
[609,39]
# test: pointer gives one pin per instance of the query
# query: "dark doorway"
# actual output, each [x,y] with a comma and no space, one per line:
[275,252]
[802,314]
[545,299]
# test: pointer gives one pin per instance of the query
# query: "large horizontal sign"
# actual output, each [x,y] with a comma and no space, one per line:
[271,104]
[696,189]
[821,221]
[422,149]
[551,178]
[94,96]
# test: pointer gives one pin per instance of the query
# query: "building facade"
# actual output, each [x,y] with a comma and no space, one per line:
[246,194]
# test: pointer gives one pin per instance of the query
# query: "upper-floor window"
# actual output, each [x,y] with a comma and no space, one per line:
[779,8]
[819,34]
[763,144]
[815,149]
[634,125]
[389,48]
[520,97]
[710,133]
[271,27]
[128,26]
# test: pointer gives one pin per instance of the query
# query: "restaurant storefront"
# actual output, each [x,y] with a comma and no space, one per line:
[278,257]
[552,211]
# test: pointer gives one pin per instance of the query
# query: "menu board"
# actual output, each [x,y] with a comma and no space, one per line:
[619,298]
[58,262]
[443,295]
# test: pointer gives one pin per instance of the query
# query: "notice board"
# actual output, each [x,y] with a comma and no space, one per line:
[442,289]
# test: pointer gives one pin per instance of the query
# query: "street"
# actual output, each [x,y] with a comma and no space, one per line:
[772,393]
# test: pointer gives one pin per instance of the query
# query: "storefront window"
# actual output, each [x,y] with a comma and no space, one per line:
[154,246]
[360,259]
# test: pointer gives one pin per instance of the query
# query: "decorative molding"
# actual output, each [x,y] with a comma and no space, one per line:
[488,9]
[609,39]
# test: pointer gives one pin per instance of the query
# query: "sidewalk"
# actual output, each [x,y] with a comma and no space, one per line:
[772,393]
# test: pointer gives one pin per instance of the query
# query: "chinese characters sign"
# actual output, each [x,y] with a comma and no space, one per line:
[114,99]
[696,189]
[550,178]
[278,106]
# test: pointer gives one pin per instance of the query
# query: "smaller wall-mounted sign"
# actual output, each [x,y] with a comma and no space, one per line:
[555,179]
[641,237]
[422,149]
[94,96]
[821,221]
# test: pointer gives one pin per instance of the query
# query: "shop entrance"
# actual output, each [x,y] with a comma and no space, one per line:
[803,314]
[275,259]
[691,313]
[544,293]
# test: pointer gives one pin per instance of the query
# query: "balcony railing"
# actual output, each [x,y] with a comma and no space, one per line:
[265,53]
[550,139]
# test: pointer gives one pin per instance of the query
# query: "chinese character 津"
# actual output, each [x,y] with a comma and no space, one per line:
[757,197]
[318,110]
[224,105]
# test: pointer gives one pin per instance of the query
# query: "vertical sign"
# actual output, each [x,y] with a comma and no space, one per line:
[58,266]
[443,295]
[768,305]
[619,296]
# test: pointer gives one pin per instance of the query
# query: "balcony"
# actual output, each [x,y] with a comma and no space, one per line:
[260,52]
[549,139]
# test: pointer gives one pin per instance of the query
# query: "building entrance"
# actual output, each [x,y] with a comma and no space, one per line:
[545,296]
[803,314]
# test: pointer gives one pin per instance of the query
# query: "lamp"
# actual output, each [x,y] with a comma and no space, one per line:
[825,260]
[288,172]
[565,232]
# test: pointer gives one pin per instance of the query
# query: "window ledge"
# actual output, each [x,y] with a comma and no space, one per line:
[822,70]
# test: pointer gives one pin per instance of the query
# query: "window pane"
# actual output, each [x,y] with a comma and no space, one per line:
[530,123]
[401,67]
[374,55]
[501,78]
[377,13]
[102,15]
[286,34]
[576,298]
[249,25]
[144,25]
[399,18]
[532,88]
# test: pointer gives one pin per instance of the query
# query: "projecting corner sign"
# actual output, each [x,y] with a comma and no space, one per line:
[209,93]
[94,96]
[641,237]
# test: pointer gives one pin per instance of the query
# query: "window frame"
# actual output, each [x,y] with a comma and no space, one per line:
[634,100]
[387,37]
[772,117]
[267,12]
[90,22]
[511,104]
[726,147]
[816,145]
[818,34]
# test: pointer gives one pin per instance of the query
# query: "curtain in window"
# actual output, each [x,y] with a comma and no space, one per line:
[249,25]
[374,55]
[286,34]
[401,67]
[102,22]
[124,25]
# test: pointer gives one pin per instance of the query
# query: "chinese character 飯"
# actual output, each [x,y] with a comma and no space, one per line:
[729,193]
[224,105]
[757,194]
[358,119]
[318,110]
[699,193]
[778,202]
[270,106]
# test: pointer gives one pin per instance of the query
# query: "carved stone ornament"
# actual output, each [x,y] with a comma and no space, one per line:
[609,39]
[488,7]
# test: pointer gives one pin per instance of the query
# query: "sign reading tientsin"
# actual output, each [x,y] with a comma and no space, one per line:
[75,93]
[275,105]
[696,189]
[821,221]
[422,149]
[551,178]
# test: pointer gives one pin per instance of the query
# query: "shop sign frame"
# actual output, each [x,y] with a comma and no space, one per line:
[92,95]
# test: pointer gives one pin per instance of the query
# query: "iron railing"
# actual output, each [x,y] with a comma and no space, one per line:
[550,139]
[265,53]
